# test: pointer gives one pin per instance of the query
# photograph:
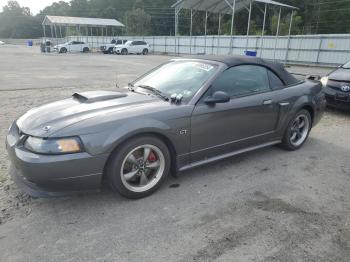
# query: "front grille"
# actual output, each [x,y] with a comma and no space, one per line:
[336,85]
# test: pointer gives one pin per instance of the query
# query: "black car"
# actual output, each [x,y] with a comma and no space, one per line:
[108,48]
[183,114]
[337,87]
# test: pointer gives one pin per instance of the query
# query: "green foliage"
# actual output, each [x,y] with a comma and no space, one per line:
[17,22]
[138,22]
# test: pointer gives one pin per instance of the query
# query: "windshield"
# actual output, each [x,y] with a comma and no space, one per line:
[178,77]
[128,43]
[347,65]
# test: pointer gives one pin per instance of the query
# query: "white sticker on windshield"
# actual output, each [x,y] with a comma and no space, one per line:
[203,66]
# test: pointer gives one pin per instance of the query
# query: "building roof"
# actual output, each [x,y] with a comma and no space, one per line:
[221,6]
[66,20]
[235,60]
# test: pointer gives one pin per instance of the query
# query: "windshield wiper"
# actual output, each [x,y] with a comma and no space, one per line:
[154,91]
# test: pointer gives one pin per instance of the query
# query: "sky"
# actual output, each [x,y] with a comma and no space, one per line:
[34,5]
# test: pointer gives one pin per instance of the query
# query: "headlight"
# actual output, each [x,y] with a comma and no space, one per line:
[324,81]
[53,146]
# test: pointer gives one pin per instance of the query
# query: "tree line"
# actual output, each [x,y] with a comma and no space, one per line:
[156,17]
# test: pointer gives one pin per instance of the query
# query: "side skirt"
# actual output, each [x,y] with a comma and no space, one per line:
[216,158]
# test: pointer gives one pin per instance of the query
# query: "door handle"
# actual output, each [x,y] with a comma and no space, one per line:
[267,102]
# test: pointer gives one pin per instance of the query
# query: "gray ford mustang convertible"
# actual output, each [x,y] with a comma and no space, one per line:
[182,114]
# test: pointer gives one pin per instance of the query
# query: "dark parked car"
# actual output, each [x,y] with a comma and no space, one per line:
[182,114]
[337,87]
[108,48]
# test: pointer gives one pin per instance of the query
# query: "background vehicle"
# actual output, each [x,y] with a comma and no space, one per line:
[108,48]
[183,114]
[2,43]
[337,87]
[72,47]
[45,46]
[132,47]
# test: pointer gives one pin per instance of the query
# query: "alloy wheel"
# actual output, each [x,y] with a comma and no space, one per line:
[299,130]
[142,168]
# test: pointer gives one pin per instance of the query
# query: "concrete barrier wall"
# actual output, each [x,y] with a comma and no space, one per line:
[303,49]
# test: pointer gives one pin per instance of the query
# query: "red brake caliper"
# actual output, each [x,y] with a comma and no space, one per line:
[152,157]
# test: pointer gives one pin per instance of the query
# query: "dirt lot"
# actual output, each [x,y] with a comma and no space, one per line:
[268,205]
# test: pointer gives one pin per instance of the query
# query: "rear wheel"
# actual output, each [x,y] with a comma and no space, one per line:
[145,51]
[139,167]
[297,131]
[124,51]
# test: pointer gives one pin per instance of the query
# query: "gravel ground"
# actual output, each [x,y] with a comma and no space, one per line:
[267,205]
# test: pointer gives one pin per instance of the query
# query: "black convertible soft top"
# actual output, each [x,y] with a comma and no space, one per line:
[236,60]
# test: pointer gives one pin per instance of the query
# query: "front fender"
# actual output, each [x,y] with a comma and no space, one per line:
[106,141]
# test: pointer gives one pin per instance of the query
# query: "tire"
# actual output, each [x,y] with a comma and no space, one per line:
[129,174]
[145,51]
[294,130]
[86,49]
[63,50]
[124,51]
[110,50]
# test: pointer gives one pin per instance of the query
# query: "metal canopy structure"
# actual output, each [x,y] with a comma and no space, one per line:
[221,6]
[73,21]
[57,22]
[231,7]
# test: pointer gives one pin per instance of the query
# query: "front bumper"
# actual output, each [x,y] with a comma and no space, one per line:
[337,98]
[53,175]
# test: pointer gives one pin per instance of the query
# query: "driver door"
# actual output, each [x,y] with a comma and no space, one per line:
[75,46]
[249,118]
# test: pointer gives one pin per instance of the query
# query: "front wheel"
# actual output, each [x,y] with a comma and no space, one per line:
[139,167]
[145,51]
[124,51]
[63,50]
[297,131]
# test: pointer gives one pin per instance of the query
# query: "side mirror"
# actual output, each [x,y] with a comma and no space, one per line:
[217,97]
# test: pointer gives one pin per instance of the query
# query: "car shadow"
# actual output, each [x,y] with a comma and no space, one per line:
[338,111]
[246,169]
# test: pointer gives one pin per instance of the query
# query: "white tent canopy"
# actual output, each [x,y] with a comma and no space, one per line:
[60,26]
[83,21]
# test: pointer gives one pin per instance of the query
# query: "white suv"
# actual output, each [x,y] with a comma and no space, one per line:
[132,47]
[72,46]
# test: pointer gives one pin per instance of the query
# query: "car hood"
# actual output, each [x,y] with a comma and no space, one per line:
[119,46]
[45,120]
[340,74]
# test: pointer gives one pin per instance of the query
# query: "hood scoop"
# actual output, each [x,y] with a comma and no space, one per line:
[97,96]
